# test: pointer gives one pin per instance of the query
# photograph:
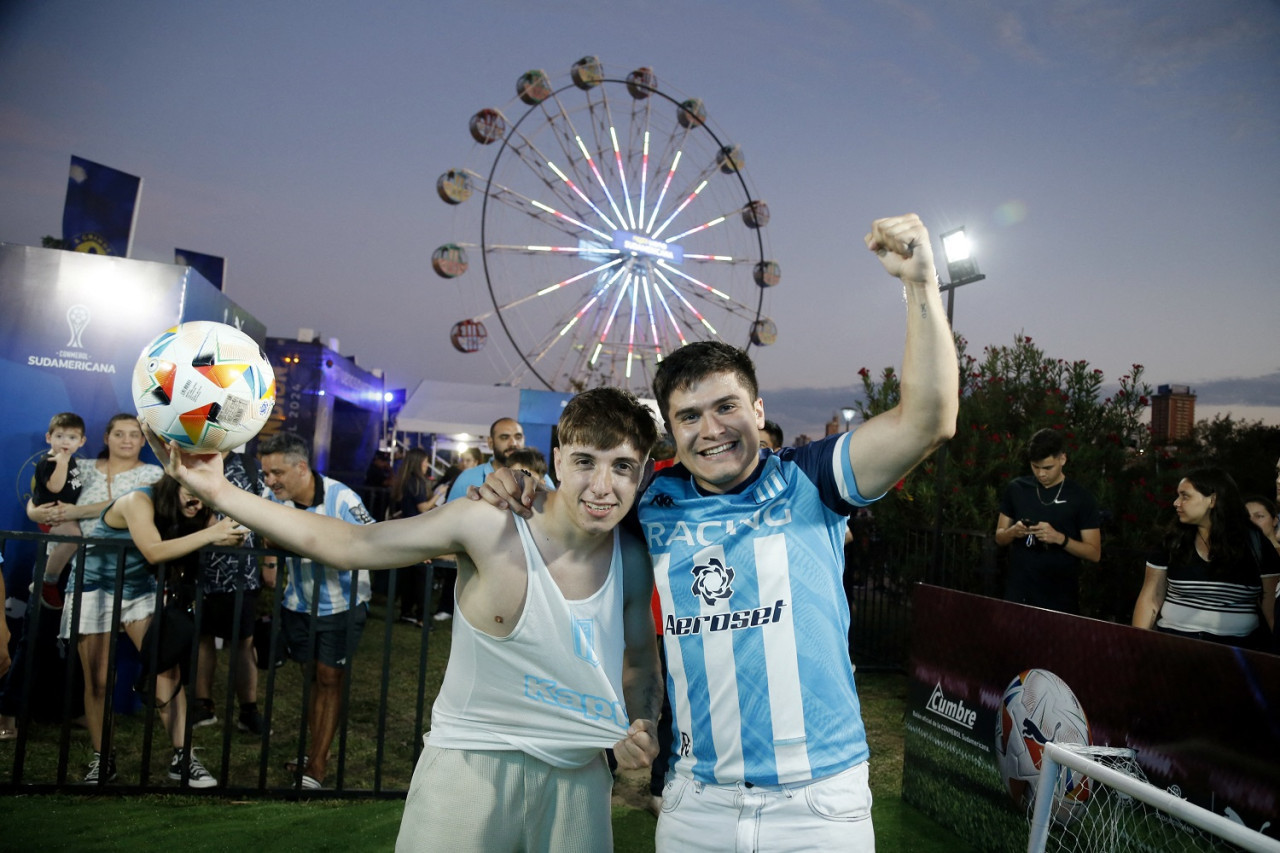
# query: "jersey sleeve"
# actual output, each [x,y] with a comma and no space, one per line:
[826,463]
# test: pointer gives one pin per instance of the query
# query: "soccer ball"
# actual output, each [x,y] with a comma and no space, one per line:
[207,386]
[1039,707]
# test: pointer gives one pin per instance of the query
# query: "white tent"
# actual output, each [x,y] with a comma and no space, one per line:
[455,407]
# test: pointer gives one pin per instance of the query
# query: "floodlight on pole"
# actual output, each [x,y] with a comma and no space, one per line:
[847,412]
[962,267]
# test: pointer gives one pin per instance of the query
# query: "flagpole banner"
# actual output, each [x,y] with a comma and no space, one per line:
[100,210]
[212,267]
[992,681]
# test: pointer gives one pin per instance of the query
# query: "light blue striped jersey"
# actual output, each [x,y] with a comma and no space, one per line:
[336,501]
[755,619]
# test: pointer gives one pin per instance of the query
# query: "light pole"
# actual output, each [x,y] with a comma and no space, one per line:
[847,412]
[962,269]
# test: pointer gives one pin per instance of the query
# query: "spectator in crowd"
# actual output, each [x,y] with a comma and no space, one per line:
[528,459]
[115,472]
[57,480]
[1263,513]
[410,496]
[315,588]
[771,436]
[156,524]
[553,633]
[220,577]
[1214,576]
[1052,524]
[505,435]
[118,470]
[761,685]
[445,567]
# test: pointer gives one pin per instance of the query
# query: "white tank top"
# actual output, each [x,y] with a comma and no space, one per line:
[553,687]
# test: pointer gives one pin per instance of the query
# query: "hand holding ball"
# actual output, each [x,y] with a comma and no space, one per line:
[207,386]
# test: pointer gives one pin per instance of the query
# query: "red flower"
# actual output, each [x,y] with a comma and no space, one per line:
[864,373]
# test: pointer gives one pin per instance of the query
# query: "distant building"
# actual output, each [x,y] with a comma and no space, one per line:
[1173,413]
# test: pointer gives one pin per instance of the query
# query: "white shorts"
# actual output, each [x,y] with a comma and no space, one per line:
[95,612]
[831,813]
[472,801]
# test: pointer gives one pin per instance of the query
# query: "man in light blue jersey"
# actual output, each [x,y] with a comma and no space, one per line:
[338,599]
[747,548]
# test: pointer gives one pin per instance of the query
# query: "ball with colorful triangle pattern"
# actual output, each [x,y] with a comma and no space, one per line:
[208,386]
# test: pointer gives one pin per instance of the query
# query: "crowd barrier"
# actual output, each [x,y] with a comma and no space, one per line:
[392,676]
[374,725]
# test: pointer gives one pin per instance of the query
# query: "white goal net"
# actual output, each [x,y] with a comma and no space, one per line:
[1091,799]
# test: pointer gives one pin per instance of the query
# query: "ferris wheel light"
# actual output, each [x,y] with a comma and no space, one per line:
[589,207]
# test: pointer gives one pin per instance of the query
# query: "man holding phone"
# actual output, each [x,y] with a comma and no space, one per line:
[1058,526]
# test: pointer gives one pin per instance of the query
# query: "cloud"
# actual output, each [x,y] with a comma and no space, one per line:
[1255,391]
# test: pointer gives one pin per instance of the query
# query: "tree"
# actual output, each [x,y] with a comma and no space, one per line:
[1006,395]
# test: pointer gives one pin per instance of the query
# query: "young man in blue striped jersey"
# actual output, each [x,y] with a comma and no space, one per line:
[747,549]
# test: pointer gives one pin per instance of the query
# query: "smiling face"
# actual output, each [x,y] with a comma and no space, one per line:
[1191,506]
[597,487]
[124,439]
[716,427]
[288,478]
[189,503]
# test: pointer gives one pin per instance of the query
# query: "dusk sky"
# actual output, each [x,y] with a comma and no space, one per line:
[1116,162]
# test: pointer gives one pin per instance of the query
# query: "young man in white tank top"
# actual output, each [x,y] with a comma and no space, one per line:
[555,642]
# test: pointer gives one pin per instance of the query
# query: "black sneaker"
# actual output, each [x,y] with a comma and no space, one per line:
[197,775]
[251,722]
[202,714]
[100,770]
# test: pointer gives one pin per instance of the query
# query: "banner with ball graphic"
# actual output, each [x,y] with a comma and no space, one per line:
[992,682]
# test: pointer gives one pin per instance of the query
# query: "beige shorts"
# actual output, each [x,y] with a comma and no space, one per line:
[95,612]
[469,801]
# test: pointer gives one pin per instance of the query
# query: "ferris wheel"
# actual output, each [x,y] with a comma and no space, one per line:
[615,227]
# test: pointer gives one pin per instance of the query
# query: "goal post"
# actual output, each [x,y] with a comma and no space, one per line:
[1093,762]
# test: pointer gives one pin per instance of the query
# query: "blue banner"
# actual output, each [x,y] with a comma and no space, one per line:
[99,212]
[211,267]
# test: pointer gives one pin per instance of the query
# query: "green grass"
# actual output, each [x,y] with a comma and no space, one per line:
[216,822]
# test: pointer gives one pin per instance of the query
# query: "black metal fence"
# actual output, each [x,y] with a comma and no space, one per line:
[386,688]
[390,682]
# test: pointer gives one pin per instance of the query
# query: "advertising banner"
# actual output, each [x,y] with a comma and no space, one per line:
[100,209]
[212,267]
[71,330]
[990,679]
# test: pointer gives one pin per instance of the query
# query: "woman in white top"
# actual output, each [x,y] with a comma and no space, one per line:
[118,471]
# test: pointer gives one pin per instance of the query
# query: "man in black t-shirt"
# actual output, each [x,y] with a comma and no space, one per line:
[1052,524]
